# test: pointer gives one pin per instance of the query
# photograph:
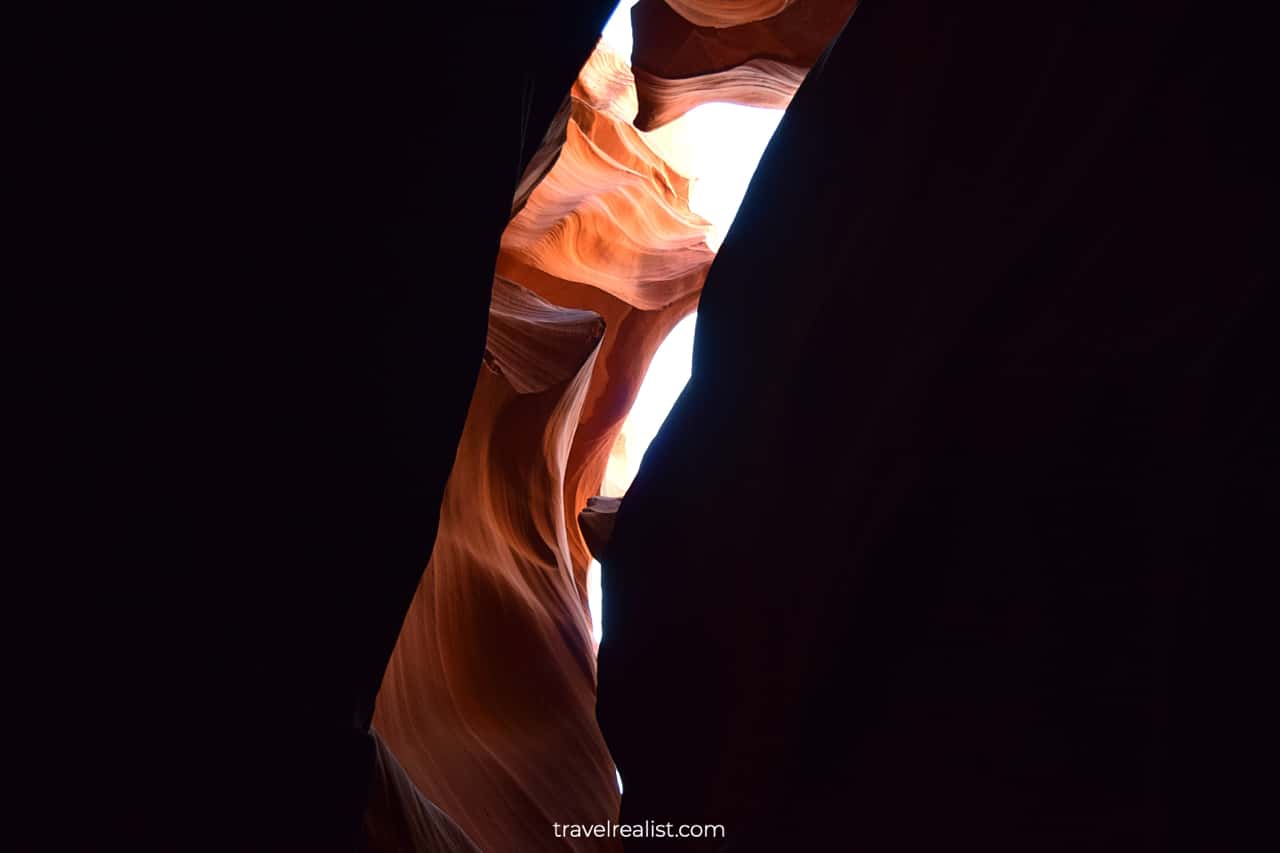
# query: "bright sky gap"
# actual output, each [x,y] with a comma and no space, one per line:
[717,145]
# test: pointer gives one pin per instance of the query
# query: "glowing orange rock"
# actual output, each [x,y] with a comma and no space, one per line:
[611,213]
[762,83]
[682,61]
[489,699]
[487,707]
[727,13]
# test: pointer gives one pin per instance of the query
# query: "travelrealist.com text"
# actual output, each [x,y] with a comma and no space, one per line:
[647,829]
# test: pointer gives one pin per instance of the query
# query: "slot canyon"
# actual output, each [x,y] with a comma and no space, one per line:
[358,538]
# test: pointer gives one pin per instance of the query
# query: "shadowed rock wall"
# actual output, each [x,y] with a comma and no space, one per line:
[967,497]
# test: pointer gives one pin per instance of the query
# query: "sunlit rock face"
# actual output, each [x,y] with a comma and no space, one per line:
[727,13]
[611,214]
[688,54]
[488,704]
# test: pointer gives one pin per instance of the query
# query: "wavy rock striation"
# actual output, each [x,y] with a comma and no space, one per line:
[683,59]
[727,14]
[399,818]
[487,708]
[611,213]
[488,702]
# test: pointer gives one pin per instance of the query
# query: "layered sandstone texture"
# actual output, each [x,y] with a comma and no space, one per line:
[487,710]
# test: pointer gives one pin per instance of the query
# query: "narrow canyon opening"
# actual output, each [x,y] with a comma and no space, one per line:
[614,227]
[717,145]
[344,336]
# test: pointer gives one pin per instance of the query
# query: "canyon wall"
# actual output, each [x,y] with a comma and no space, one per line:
[488,702]
[948,544]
